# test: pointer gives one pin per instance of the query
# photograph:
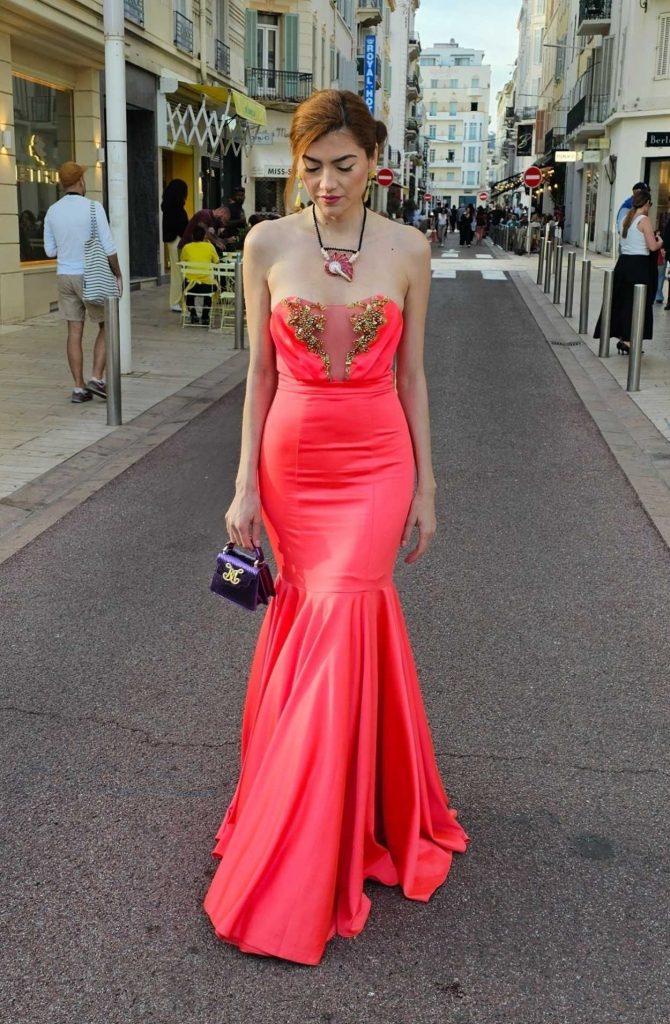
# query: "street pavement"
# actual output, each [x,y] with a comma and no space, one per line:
[540,626]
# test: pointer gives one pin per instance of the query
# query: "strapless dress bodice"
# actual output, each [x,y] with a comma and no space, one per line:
[336,343]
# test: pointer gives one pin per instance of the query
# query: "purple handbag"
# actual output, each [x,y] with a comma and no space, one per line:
[243,577]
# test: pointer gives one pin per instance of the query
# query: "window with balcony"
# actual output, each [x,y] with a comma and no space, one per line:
[474,106]
[431,156]
[183,26]
[434,83]
[432,108]
[221,50]
[271,58]
[453,83]
[471,177]
[451,175]
[473,154]
[451,156]
[475,83]
[451,133]
[432,131]
[453,108]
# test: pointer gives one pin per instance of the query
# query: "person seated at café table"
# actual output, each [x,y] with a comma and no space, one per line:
[200,250]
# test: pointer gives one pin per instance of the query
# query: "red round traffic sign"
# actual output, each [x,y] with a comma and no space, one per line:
[532,177]
[427,197]
[483,196]
[385,176]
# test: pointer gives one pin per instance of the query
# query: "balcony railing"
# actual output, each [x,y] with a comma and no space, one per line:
[183,32]
[552,139]
[280,86]
[594,17]
[369,12]
[221,57]
[588,110]
[134,11]
[411,125]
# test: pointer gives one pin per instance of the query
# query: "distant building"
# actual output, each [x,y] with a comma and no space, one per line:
[456,91]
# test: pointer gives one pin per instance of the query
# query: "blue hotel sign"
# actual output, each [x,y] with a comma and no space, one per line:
[369,55]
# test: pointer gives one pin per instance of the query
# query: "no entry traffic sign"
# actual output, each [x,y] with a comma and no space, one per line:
[427,197]
[532,177]
[385,176]
[483,197]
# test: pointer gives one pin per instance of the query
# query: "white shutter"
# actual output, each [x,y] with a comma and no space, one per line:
[663,47]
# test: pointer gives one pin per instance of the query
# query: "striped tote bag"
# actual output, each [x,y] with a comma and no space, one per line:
[99,281]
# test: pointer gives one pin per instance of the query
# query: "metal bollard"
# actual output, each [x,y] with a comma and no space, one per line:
[558,272]
[636,332]
[540,262]
[113,340]
[239,304]
[548,255]
[584,297]
[570,283]
[606,315]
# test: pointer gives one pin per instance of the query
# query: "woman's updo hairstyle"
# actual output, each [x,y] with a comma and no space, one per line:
[330,110]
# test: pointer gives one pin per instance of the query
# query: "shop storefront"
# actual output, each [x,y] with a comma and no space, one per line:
[268,165]
[50,113]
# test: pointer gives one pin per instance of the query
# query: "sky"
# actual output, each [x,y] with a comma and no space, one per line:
[488,25]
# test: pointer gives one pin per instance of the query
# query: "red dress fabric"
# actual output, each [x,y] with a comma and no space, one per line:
[338,777]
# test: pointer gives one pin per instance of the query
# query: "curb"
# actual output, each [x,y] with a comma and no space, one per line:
[643,453]
[30,510]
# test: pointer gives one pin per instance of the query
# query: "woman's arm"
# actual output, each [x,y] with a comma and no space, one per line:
[654,243]
[243,519]
[413,395]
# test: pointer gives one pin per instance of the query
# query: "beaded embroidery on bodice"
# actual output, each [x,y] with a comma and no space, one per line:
[338,335]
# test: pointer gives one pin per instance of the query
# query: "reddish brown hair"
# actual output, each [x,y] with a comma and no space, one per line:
[331,110]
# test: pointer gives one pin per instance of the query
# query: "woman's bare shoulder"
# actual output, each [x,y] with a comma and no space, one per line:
[403,237]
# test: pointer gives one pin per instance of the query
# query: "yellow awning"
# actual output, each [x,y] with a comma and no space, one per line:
[247,108]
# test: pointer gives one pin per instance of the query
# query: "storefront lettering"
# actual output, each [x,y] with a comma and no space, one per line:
[658,139]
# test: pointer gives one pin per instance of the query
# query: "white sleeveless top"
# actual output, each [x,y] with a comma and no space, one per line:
[634,244]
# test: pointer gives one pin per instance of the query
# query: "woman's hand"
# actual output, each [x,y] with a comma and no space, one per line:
[243,519]
[422,516]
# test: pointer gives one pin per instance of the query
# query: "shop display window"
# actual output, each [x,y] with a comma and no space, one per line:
[43,126]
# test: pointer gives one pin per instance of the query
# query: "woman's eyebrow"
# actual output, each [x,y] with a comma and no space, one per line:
[336,160]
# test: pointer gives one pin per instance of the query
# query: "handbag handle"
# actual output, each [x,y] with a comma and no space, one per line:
[258,551]
[94,225]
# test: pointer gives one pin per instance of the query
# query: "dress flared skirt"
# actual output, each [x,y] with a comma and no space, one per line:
[339,781]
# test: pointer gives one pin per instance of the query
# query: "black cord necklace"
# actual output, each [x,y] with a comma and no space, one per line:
[339,262]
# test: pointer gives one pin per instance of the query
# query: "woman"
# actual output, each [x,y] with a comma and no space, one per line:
[175,219]
[339,781]
[481,224]
[636,265]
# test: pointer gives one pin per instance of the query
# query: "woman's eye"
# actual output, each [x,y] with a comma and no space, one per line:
[345,170]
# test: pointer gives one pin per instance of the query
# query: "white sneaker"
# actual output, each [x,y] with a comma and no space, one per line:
[176,308]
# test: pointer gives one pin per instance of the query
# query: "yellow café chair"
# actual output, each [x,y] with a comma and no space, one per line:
[207,274]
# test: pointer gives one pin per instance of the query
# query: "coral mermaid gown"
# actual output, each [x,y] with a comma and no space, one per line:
[338,779]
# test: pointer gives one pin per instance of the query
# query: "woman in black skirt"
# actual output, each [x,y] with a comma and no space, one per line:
[636,265]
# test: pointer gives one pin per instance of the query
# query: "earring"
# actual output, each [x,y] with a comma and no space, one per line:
[371,178]
[298,204]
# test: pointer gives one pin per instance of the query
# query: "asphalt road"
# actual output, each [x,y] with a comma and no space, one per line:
[540,625]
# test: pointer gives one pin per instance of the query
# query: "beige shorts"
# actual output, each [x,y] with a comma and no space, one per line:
[71,303]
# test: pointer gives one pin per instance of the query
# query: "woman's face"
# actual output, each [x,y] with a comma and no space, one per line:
[335,172]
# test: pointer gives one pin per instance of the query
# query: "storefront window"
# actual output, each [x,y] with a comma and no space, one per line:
[43,129]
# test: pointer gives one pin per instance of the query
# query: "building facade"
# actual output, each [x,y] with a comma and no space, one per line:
[606,111]
[456,90]
[184,68]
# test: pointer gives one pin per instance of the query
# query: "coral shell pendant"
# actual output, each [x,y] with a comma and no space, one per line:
[339,265]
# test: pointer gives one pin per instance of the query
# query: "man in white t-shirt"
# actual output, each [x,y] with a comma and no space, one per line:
[67,227]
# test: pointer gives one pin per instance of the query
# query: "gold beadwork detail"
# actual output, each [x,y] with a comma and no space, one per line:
[366,327]
[307,326]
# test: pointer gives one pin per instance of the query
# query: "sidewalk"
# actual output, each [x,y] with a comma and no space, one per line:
[653,398]
[40,428]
